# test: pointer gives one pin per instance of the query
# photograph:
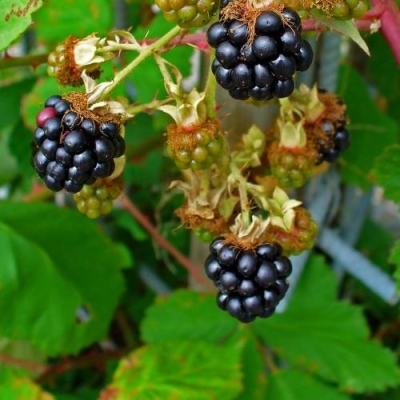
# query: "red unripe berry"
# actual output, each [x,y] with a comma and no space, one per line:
[44,115]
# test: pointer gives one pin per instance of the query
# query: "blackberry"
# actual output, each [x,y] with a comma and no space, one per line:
[260,66]
[71,149]
[333,145]
[251,282]
[188,13]
[329,134]
[45,115]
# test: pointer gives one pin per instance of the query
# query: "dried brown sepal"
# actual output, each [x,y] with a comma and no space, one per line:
[232,240]
[192,220]
[79,104]
[62,64]
[180,138]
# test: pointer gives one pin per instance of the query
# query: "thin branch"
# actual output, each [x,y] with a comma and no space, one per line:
[161,240]
[84,360]
[25,364]
[25,61]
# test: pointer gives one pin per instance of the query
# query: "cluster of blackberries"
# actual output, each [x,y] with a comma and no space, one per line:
[250,283]
[73,150]
[336,141]
[264,67]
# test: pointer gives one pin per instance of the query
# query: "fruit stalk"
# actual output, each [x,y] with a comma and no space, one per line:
[161,241]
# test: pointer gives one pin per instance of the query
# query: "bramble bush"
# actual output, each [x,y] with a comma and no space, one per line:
[199,199]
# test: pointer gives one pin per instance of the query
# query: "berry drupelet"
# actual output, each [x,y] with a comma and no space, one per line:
[251,282]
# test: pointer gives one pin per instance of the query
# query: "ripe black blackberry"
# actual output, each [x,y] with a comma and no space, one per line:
[251,282]
[336,141]
[259,65]
[71,149]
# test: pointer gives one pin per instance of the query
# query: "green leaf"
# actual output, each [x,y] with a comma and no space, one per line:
[53,275]
[8,163]
[178,370]
[254,377]
[329,337]
[126,221]
[395,259]
[15,19]
[147,78]
[10,100]
[14,387]
[386,170]
[153,165]
[77,17]
[371,131]
[388,83]
[296,385]
[186,315]
[345,28]
[34,101]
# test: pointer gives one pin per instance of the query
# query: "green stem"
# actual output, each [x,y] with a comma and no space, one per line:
[242,187]
[204,183]
[118,46]
[210,91]
[146,108]
[145,53]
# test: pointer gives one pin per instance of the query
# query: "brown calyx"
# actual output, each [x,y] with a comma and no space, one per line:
[78,102]
[67,72]
[192,221]
[184,138]
[241,244]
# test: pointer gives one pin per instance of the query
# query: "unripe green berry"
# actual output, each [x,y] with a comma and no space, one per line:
[360,9]
[199,154]
[93,214]
[106,207]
